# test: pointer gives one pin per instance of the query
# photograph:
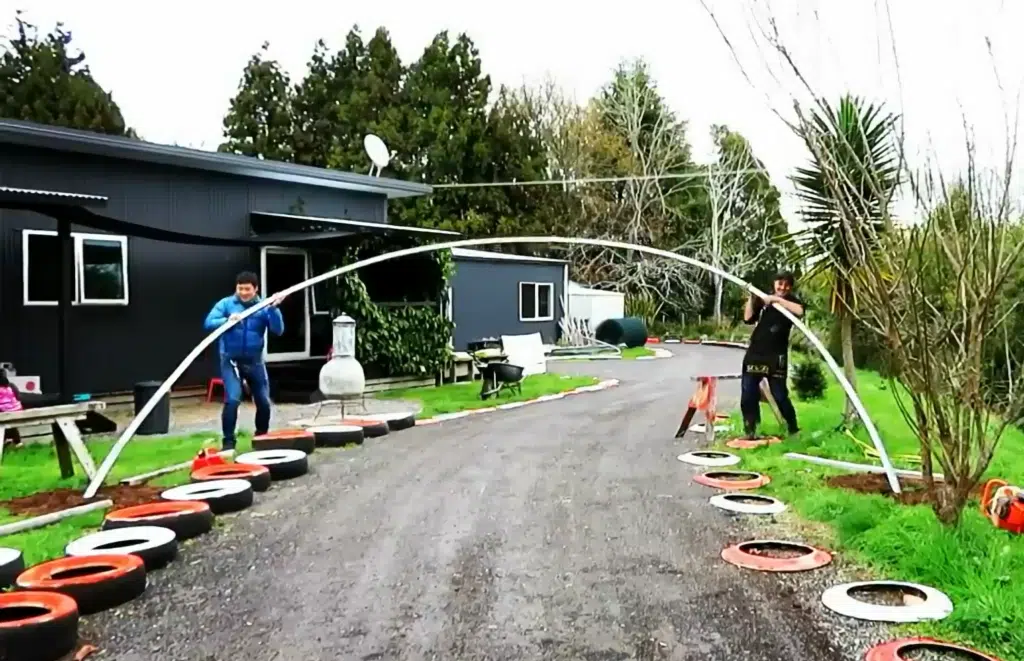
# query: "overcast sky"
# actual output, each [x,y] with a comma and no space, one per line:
[173,66]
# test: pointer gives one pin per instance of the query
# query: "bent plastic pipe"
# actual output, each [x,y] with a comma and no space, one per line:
[133,426]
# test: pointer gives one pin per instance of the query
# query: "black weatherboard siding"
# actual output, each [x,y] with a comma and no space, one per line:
[485,298]
[171,287]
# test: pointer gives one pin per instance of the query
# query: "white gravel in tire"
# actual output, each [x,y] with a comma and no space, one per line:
[270,457]
[936,605]
[719,459]
[731,503]
[150,537]
[210,489]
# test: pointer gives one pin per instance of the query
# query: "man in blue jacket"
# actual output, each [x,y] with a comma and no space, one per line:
[241,352]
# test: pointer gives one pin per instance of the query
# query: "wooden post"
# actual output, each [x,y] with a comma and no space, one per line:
[60,443]
[766,392]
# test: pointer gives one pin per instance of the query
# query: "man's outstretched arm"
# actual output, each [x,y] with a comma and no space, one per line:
[217,317]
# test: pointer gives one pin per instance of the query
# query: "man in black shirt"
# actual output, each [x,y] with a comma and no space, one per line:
[767,355]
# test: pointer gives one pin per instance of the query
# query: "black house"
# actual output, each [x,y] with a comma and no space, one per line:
[157,235]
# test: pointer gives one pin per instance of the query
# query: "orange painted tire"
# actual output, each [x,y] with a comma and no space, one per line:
[738,555]
[258,476]
[95,582]
[718,480]
[751,443]
[285,439]
[44,622]
[371,428]
[187,518]
[891,651]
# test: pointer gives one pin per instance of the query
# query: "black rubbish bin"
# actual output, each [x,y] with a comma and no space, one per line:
[159,419]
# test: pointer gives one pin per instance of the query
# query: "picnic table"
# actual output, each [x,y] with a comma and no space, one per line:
[66,436]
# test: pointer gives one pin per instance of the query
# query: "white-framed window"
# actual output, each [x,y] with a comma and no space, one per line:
[100,270]
[536,301]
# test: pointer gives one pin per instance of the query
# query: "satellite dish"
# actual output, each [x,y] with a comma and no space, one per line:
[377,151]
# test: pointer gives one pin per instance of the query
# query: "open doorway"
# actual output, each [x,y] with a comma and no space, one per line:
[282,268]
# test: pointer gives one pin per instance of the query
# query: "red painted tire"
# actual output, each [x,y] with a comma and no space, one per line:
[37,626]
[751,443]
[95,582]
[890,651]
[716,480]
[371,428]
[258,476]
[187,518]
[285,439]
[738,555]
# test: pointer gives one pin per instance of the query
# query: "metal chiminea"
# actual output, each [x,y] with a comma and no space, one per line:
[342,378]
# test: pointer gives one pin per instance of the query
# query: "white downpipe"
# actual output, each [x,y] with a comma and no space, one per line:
[165,387]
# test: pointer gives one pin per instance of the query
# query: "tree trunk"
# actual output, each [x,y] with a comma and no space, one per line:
[849,367]
[949,502]
[719,287]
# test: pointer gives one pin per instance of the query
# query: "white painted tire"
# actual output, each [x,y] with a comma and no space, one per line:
[156,545]
[936,606]
[223,496]
[397,421]
[336,436]
[709,458]
[12,563]
[282,464]
[730,502]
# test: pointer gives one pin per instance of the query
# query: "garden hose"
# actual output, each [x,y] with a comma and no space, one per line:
[872,453]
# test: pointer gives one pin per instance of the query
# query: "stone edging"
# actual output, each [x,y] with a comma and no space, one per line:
[658,353]
[603,385]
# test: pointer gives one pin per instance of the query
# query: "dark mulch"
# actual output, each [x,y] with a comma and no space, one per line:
[913,492]
[61,499]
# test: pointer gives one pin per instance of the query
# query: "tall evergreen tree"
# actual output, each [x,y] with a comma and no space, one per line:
[260,118]
[41,81]
[446,95]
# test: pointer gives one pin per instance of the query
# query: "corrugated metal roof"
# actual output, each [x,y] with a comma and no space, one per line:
[360,224]
[30,134]
[469,253]
[29,195]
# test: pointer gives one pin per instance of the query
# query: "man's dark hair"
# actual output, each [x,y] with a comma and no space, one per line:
[247,278]
[785,276]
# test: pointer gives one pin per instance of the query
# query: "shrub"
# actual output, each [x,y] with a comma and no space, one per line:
[809,380]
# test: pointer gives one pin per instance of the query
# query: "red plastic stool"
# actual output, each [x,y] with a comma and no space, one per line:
[217,381]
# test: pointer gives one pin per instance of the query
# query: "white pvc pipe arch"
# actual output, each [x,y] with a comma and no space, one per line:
[111,458]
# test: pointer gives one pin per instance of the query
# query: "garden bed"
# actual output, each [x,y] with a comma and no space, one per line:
[45,502]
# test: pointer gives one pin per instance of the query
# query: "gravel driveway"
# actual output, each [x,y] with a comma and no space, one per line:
[565,530]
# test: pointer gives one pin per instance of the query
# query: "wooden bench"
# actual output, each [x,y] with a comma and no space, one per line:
[66,436]
[705,399]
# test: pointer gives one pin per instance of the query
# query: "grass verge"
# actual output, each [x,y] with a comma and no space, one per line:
[33,469]
[454,397]
[979,566]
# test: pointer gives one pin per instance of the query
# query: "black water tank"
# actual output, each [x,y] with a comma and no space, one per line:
[631,331]
[159,419]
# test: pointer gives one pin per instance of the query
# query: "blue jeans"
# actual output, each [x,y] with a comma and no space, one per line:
[255,374]
[750,401]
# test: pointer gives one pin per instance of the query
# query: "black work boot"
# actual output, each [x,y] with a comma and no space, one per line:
[749,429]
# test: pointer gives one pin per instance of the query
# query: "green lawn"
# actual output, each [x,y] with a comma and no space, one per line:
[635,352]
[454,397]
[627,354]
[980,567]
[33,469]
